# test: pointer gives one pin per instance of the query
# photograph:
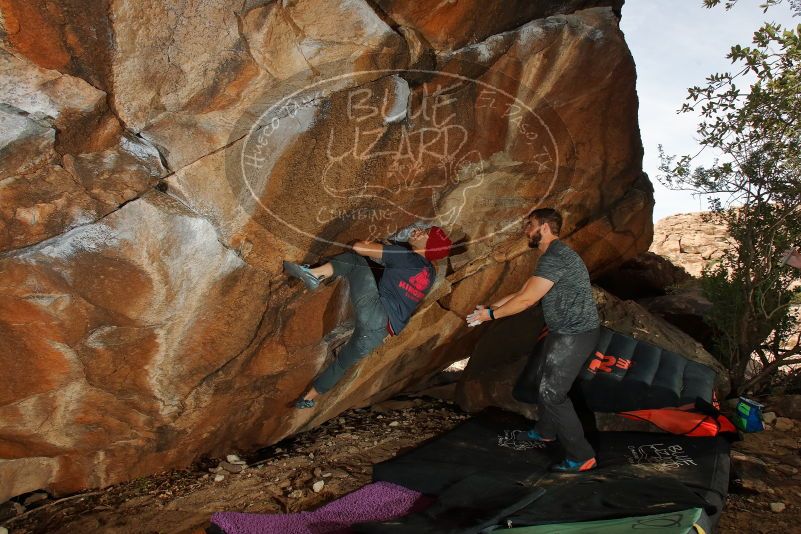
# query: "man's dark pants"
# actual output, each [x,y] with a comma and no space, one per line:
[561,359]
[370,318]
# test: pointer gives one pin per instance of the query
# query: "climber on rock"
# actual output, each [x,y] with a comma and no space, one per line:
[381,309]
[561,283]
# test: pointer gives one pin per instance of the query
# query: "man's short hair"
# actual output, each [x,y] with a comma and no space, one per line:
[548,216]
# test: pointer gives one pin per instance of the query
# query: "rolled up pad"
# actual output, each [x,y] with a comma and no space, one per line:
[628,374]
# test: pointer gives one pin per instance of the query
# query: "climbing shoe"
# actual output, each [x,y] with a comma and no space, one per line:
[304,403]
[533,435]
[303,273]
[571,466]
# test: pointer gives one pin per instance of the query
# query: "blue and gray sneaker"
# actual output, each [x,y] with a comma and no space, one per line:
[303,273]
[572,466]
[304,403]
[533,435]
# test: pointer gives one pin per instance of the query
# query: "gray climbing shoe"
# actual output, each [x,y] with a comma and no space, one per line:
[303,273]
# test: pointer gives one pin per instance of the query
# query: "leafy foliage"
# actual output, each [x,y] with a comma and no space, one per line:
[755,190]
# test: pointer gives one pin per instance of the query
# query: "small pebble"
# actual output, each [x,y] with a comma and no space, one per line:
[777,507]
[394,423]
[788,470]
[219,478]
[232,468]
[234,459]
[317,486]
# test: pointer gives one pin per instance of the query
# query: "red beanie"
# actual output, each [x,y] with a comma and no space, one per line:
[438,245]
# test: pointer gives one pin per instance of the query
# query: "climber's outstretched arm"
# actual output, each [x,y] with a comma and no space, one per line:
[369,249]
[530,294]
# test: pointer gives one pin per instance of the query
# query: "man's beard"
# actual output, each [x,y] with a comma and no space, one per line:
[534,241]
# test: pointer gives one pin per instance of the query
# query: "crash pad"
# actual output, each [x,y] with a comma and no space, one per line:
[624,374]
[638,473]
[477,446]
[469,506]
[690,521]
[596,496]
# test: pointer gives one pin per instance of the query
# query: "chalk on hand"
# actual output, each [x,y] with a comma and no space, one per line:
[474,323]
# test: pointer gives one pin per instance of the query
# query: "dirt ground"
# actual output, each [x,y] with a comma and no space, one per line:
[766,468]
[341,453]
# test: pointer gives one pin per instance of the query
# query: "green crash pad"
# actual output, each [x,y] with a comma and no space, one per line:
[682,522]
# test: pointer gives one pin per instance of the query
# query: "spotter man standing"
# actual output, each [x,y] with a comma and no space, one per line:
[561,282]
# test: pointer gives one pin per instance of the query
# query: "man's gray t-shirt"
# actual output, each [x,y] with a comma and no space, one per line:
[568,307]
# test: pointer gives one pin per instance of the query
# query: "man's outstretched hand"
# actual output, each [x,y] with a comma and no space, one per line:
[478,316]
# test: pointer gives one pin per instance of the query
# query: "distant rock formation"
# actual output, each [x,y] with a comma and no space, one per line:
[690,242]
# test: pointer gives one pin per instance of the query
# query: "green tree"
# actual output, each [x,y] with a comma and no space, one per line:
[754,187]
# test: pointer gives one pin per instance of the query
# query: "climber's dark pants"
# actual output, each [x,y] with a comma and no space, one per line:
[561,358]
[371,319]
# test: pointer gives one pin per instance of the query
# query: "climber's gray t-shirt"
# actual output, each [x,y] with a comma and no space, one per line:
[568,307]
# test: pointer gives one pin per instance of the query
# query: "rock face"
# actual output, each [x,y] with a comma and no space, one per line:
[500,355]
[158,162]
[645,276]
[689,241]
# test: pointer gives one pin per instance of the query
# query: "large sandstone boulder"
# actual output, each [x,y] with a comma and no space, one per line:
[501,354]
[46,190]
[452,25]
[152,186]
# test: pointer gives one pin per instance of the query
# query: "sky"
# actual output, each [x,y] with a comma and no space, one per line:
[676,44]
